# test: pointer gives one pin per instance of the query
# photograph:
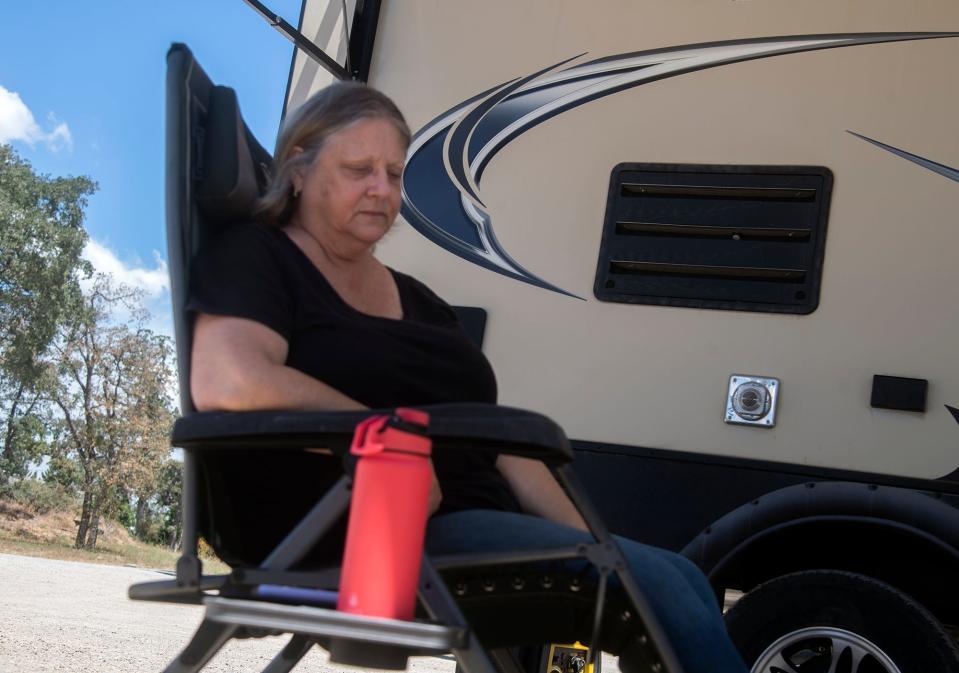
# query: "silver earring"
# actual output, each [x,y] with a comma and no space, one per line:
[296,192]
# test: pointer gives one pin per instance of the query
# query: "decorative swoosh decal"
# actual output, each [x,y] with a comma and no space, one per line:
[954,475]
[941,169]
[446,160]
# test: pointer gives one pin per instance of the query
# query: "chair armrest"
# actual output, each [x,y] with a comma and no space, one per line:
[504,429]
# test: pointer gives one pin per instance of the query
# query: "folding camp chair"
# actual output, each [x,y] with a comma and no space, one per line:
[250,489]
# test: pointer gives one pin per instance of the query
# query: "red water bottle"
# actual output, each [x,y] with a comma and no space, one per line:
[388,512]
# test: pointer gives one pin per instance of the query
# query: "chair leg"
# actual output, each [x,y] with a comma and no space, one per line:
[659,649]
[439,603]
[206,642]
[473,658]
[506,661]
[290,655]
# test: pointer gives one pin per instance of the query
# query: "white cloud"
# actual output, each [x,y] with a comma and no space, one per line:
[154,282]
[18,123]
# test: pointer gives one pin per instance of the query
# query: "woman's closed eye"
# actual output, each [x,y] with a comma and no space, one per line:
[359,171]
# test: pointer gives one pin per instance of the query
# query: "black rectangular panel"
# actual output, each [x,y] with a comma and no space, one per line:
[896,392]
[747,238]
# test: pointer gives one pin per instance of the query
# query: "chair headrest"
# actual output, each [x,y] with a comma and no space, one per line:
[233,169]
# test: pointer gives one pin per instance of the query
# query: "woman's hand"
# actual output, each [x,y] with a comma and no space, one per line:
[538,491]
[436,494]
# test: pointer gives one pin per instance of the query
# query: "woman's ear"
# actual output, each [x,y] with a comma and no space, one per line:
[296,175]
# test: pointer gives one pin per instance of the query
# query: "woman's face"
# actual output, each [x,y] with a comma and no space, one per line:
[350,194]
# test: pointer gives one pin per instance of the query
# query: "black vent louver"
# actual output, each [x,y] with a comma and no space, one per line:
[746,238]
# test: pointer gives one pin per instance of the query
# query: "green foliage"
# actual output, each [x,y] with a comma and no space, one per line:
[114,413]
[64,472]
[125,513]
[26,440]
[83,383]
[168,499]
[41,239]
[40,496]
[155,515]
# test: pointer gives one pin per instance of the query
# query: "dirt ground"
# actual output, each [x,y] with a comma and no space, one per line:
[73,616]
[70,616]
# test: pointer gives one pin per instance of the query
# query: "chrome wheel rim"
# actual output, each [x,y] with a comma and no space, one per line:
[824,649]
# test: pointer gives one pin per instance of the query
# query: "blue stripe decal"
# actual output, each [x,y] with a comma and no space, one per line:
[445,163]
[941,169]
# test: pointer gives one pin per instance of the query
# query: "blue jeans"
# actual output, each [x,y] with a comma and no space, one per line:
[676,589]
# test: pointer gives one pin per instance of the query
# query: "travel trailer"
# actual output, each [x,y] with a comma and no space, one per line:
[716,241]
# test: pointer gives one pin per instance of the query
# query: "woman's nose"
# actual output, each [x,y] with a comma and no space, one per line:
[379,184]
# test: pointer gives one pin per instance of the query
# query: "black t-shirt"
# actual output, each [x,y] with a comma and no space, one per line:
[259,273]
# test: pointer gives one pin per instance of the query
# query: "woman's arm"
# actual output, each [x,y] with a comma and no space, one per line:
[538,491]
[239,365]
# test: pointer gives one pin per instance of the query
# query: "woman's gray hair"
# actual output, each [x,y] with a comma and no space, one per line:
[336,107]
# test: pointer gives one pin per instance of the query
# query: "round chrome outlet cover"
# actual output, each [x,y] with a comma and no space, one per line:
[751,401]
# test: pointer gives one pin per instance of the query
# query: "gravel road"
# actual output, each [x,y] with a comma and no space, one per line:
[69,616]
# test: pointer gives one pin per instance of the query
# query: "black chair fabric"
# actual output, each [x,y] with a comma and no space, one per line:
[215,169]
[516,431]
[234,168]
[259,482]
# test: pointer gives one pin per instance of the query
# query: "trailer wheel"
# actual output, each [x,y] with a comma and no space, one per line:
[833,621]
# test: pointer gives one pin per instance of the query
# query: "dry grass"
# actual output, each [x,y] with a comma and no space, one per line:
[51,535]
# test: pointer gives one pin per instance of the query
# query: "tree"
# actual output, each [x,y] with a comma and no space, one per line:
[156,514]
[41,239]
[169,491]
[114,410]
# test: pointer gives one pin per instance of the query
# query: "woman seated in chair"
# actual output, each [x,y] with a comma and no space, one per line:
[292,309]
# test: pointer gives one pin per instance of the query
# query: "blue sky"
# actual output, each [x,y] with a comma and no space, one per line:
[91,76]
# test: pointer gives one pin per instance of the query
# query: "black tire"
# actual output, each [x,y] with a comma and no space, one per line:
[800,623]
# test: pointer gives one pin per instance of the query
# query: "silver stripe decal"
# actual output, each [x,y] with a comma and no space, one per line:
[941,169]
[441,184]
